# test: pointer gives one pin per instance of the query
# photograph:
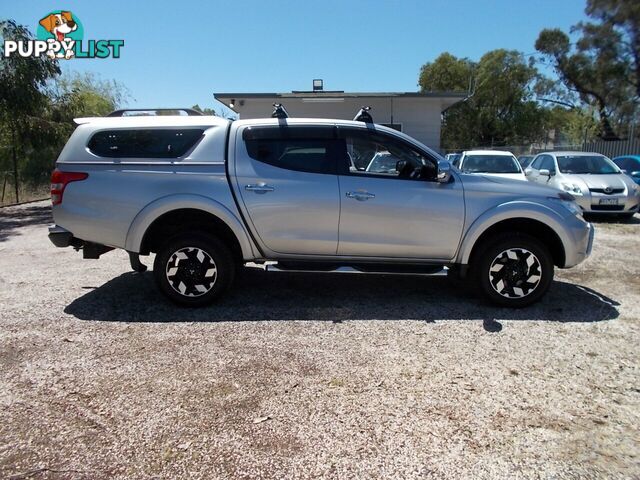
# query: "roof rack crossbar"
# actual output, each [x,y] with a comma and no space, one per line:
[121,113]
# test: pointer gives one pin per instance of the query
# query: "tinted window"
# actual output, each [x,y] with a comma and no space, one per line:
[628,164]
[536,162]
[376,154]
[594,164]
[490,164]
[525,160]
[547,163]
[304,149]
[144,143]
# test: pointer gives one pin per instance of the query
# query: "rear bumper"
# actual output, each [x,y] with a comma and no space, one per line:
[60,237]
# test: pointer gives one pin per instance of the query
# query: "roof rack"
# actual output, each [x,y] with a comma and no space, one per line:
[121,113]
[279,111]
[363,115]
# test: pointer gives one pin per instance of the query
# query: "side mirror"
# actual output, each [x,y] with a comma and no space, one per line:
[528,171]
[544,173]
[444,172]
[635,174]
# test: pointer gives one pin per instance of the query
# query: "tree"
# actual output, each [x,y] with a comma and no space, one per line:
[22,96]
[500,111]
[205,111]
[446,73]
[603,66]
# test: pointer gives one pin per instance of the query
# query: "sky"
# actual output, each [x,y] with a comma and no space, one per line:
[177,54]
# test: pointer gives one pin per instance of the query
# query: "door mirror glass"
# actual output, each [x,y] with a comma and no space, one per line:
[444,172]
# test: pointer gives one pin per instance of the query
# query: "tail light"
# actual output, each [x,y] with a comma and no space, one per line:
[59,181]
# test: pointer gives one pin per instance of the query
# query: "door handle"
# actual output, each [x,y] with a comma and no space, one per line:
[360,196]
[259,188]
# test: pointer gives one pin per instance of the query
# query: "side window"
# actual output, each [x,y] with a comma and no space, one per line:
[536,162]
[144,143]
[548,163]
[376,154]
[303,149]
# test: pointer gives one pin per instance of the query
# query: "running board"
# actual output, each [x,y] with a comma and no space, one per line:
[273,267]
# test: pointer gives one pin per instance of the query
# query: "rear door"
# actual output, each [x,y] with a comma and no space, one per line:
[391,205]
[288,187]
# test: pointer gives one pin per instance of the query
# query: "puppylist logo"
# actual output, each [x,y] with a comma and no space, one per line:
[60,35]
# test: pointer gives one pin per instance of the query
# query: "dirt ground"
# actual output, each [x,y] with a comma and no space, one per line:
[313,375]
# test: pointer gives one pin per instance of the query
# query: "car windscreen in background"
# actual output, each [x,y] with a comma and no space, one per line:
[144,143]
[490,164]
[595,164]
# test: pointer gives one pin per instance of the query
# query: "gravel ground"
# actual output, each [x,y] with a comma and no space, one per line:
[302,375]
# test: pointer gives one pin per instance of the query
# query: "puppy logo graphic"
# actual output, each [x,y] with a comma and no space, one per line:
[60,25]
[60,35]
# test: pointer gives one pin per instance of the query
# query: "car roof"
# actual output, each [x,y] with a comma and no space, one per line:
[488,152]
[573,154]
[133,121]
[636,157]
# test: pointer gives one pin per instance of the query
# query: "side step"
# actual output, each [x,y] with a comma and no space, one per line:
[431,271]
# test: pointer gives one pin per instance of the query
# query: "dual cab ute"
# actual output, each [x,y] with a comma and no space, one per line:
[208,195]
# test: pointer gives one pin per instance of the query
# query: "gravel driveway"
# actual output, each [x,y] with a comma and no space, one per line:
[299,375]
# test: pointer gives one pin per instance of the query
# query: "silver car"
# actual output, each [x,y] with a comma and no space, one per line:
[596,183]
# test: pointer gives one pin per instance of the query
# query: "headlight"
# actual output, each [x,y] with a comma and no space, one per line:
[570,205]
[572,188]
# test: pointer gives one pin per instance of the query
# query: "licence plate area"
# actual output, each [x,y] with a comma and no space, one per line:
[608,201]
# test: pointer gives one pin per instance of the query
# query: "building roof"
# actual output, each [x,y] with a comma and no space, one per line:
[341,94]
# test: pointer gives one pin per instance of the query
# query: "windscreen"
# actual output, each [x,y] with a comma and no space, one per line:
[594,164]
[490,164]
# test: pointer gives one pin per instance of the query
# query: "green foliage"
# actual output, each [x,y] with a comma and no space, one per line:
[603,66]
[205,111]
[446,73]
[37,107]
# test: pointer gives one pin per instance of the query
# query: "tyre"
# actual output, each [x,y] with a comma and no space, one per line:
[513,270]
[194,269]
[626,217]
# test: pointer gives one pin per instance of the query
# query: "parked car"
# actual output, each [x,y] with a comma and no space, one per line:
[452,158]
[207,195]
[597,184]
[493,163]
[525,160]
[629,164]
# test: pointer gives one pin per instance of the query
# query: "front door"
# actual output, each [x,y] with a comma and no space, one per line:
[287,183]
[391,204]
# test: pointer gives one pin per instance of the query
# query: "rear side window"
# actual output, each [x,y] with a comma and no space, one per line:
[303,149]
[144,143]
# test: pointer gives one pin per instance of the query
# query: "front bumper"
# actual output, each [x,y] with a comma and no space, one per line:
[590,203]
[582,245]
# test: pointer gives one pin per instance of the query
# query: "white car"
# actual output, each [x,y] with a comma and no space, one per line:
[492,163]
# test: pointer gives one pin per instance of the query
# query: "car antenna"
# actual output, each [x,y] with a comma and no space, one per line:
[363,115]
[279,111]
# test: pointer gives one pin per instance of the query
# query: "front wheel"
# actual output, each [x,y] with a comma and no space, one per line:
[514,270]
[194,269]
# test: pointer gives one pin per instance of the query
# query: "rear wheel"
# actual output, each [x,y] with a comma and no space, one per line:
[194,269]
[514,270]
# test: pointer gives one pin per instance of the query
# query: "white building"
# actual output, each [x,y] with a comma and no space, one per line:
[416,114]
